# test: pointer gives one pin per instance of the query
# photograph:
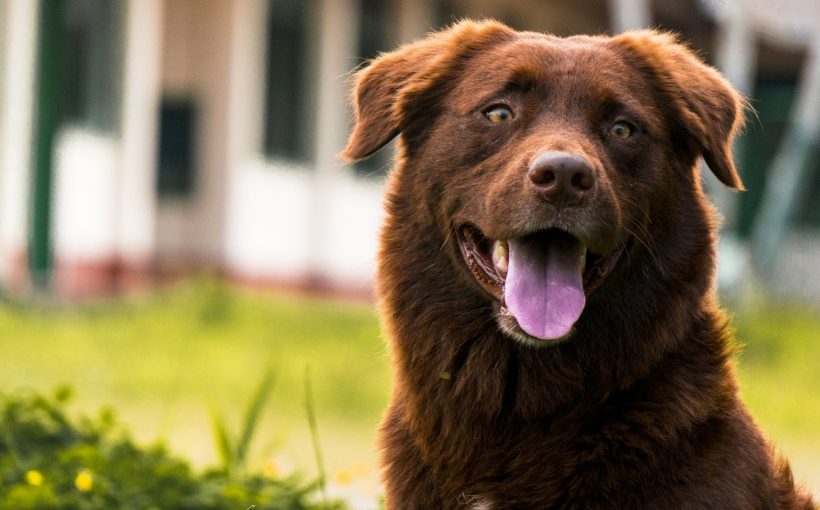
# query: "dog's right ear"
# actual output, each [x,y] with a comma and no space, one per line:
[382,90]
[708,108]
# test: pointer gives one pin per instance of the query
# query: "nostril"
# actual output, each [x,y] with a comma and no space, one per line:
[582,180]
[543,178]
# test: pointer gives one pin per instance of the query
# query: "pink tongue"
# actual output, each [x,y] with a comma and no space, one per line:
[544,289]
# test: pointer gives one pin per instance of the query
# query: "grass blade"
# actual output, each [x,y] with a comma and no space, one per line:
[252,416]
[222,441]
[314,435]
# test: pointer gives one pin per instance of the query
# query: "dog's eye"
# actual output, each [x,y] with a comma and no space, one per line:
[621,129]
[498,114]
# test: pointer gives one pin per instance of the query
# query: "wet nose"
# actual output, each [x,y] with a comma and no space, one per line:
[561,178]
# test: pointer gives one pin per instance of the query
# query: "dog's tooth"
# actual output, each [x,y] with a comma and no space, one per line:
[501,252]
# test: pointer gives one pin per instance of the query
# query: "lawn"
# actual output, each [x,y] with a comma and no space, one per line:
[779,373]
[166,362]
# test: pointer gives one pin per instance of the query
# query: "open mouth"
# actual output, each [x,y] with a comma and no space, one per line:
[541,279]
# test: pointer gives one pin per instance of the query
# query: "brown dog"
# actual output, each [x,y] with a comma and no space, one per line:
[546,276]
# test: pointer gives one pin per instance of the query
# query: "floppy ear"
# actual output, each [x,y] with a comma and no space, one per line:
[384,91]
[707,107]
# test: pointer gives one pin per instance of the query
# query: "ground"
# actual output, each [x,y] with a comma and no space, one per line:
[166,362]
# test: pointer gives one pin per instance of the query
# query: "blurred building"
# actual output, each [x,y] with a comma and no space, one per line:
[147,138]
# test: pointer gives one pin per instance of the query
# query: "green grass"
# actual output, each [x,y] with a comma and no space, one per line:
[167,362]
[779,369]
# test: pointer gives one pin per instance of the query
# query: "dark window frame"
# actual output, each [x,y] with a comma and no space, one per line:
[287,126]
[177,147]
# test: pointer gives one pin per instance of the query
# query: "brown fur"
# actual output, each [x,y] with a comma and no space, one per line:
[638,408]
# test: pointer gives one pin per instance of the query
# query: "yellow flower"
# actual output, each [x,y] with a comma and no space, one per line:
[84,481]
[344,477]
[272,469]
[34,477]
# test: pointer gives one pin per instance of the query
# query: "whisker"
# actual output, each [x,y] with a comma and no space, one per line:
[646,244]
[450,233]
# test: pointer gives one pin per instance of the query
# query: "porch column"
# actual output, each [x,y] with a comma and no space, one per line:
[136,224]
[336,47]
[20,28]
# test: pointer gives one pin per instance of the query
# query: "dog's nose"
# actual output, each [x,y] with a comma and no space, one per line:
[562,178]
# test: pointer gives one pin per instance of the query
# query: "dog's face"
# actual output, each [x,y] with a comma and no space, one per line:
[547,159]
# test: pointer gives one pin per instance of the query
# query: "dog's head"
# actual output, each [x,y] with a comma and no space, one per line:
[554,163]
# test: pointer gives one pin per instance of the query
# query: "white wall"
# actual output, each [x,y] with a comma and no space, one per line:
[267,222]
[84,219]
[354,216]
[268,226]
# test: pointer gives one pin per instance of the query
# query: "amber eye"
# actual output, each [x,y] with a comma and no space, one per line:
[621,129]
[498,114]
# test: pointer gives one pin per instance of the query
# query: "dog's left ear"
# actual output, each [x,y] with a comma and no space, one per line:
[386,91]
[709,109]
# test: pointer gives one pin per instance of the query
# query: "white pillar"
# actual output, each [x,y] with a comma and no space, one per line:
[3,33]
[336,49]
[246,81]
[136,224]
[337,32]
[246,77]
[20,27]
[211,53]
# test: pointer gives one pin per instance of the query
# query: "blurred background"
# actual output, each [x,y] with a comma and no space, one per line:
[175,223]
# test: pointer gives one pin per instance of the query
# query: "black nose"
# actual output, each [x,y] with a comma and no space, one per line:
[562,178]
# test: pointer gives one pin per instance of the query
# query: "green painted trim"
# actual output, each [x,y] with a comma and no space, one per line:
[47,122]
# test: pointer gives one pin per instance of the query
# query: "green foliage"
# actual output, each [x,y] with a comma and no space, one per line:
[48,461]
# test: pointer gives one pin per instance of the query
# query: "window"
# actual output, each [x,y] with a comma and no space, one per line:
[175,168]
[92,45]
[286,114]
